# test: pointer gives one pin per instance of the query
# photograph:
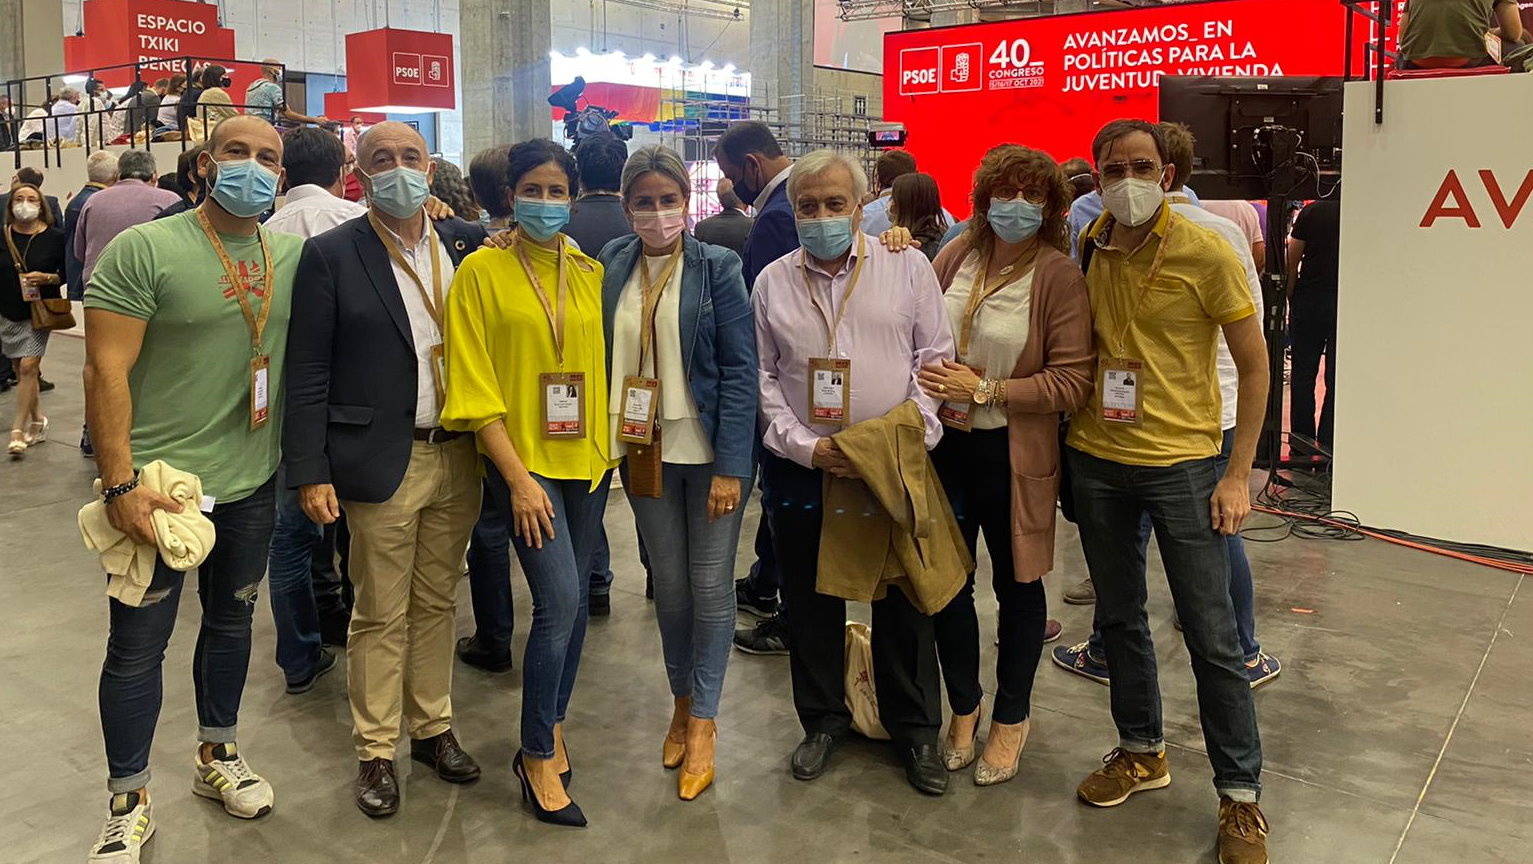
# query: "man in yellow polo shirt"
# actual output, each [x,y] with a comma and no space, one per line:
[1162,289]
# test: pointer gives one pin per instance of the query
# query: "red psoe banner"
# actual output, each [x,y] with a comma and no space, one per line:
[148,31]
[1051,83]
[338,108]
[392,71]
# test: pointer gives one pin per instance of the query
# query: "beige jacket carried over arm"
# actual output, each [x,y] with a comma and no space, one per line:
[183,539]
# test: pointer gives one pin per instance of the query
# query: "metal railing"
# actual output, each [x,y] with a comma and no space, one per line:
[100,121]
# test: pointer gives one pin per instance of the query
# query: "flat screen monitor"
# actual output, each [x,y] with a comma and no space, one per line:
[1251,131]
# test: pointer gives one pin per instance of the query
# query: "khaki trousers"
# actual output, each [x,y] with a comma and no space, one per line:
[406,560]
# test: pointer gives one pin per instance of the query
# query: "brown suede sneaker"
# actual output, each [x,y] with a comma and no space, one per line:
[1242,833]
[1122,774]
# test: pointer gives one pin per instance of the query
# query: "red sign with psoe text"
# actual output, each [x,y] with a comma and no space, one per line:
[1051,83]
[417,75]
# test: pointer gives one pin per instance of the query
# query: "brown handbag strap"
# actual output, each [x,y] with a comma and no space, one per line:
[10,243]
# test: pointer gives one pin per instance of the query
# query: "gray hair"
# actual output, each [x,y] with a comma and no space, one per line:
[69,92]
[818,163]
[659,160]
[101,167]
[136,165]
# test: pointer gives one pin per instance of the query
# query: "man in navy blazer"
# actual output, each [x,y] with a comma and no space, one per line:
[751,158]
[364,393]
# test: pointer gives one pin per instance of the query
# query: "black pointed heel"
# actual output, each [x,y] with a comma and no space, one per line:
[570,815]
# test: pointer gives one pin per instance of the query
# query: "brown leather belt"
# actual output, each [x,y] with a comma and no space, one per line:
[437,435]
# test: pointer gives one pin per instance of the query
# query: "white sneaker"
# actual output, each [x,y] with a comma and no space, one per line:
[228,779]
[126,831]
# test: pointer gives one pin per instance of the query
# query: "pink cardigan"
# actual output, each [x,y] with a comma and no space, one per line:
[1054,375]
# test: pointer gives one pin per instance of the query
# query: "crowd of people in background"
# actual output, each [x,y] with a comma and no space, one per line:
[402,368]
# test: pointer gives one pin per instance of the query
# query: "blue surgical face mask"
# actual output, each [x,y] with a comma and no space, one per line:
[826,239]
[244,187]
[399,192]
[1015,220]
[542,218]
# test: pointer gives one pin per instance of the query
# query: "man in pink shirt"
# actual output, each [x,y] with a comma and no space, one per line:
[859,322]
[132,200]
[1244,215]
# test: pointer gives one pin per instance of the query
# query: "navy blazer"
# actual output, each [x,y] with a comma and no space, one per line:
[774,234]
[351,365]
[718,338]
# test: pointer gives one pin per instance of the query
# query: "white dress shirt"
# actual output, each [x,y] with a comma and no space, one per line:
[423,329]
[684,440]
[1229,376]
[769,188]
[311,211]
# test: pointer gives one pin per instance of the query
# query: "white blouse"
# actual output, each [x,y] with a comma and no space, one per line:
[684,441]
[999,332]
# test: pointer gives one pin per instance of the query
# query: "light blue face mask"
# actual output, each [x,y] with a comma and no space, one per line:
[244,187]
[542,218]
[399,192]
[1015,220]
[827,238]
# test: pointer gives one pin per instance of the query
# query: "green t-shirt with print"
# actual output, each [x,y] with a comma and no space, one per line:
[191,383]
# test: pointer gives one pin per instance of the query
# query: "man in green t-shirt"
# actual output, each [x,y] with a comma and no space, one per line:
[186,332]
[1449,34]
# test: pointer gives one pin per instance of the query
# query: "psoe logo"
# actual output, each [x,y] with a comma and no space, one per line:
[1453,200]
[963,68]
[407,68]
[918,71]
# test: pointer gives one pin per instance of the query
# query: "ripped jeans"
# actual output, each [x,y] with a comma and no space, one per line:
[132,686]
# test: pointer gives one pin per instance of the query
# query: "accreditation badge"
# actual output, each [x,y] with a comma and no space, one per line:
[260,392]
[830,391]
[1122,395]
[959,415]
[646,471]
[564,406]
[439,373]
[641,399]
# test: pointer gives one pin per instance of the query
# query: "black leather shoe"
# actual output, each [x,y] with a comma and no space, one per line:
[924,768]
[812,756]
[601,605]
[44,385]
[377,790]
[446,757]
[477,654]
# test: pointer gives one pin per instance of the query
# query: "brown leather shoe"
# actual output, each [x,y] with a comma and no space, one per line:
[377,792]
[445,756]
[1242,833]
[1121,775]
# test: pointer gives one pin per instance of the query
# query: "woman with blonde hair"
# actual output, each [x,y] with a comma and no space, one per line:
[682,352]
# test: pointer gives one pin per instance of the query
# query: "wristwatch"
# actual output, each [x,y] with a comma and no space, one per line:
[984,392]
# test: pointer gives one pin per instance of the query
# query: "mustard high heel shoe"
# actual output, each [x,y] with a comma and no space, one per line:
[688,784]
[672,752]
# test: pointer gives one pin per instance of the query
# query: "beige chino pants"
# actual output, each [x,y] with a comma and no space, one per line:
[406,560]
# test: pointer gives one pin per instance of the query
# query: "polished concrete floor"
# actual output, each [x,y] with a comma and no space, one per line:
[1397,732]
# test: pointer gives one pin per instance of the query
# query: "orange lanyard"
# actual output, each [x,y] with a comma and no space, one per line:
[240,286]
[1144,289]
[832,327]
[652,292]
[433,300]
[555,316]
[979,294]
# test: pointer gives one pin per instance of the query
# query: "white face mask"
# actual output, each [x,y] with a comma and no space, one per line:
[1132,201]
[26,211]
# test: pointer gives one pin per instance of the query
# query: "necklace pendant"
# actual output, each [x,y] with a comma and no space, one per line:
[1006,271]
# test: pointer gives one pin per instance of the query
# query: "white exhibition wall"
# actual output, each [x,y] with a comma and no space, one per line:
[1434,404]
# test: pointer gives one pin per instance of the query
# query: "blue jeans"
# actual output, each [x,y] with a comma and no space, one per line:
[557,576]
[1110,501]
[132,686]
[291,587]
[1242,589]
[693,562]
[489,567]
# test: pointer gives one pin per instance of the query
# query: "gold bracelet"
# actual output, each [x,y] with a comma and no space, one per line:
[998,397]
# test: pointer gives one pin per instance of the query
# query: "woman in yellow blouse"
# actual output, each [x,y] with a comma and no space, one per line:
[526,372]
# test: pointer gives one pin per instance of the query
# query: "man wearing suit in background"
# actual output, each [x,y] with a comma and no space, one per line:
[757,169]
[365,389]
[730,226]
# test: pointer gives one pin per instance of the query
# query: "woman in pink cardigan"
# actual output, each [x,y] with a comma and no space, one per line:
[1022,322]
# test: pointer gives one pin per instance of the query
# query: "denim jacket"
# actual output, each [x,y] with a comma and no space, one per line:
[718,334]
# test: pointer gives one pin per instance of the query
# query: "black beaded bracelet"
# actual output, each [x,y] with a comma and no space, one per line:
[118,491]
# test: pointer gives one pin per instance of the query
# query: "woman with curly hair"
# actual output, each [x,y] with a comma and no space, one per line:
[1022,321]
[448,185]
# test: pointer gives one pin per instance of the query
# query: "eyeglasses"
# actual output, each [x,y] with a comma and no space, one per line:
[1139,169]
[1032,194]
